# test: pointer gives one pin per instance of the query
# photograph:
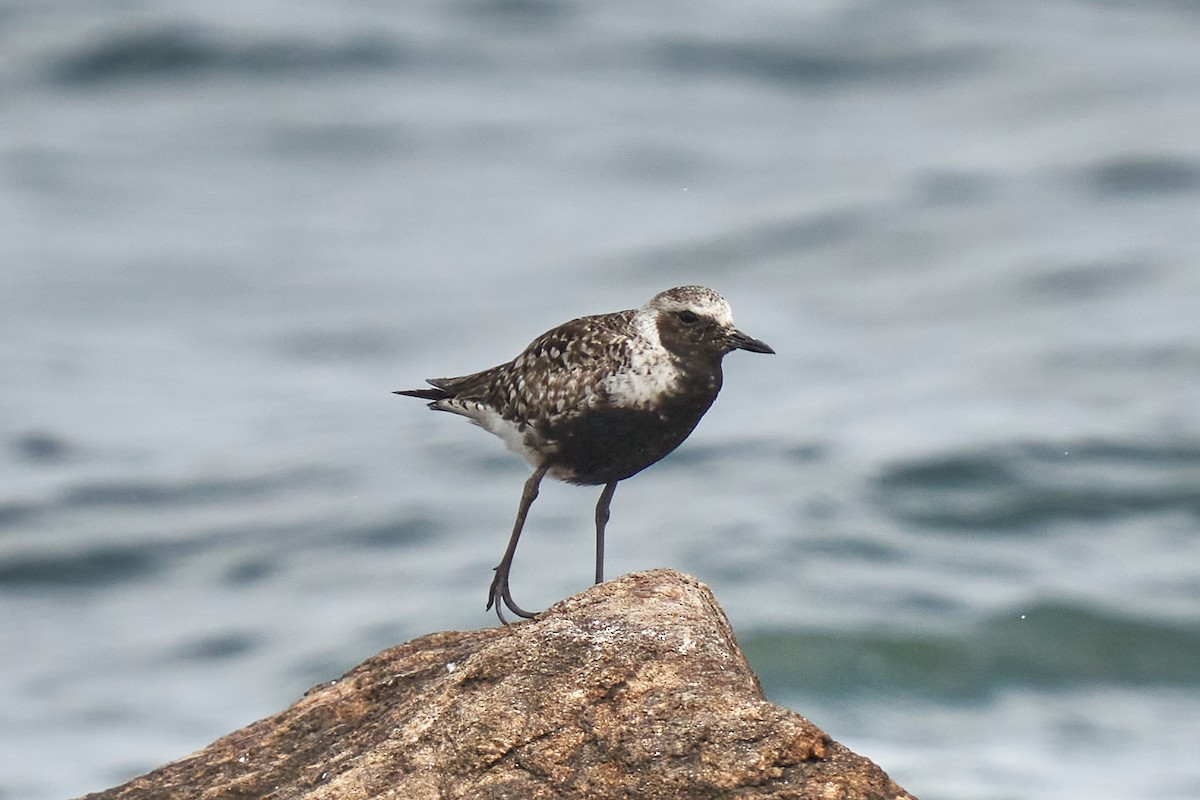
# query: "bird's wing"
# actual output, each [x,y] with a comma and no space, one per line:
[558,371]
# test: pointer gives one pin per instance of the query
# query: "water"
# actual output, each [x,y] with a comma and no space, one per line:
[954,520]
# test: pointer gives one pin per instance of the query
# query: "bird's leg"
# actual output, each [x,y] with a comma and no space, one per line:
[499,594]
[602,520]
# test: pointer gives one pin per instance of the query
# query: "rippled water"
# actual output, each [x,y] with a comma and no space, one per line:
[954,520]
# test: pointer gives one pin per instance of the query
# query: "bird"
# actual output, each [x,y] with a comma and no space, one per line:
[598,399]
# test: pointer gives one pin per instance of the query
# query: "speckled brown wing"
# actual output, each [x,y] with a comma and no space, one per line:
[559,372]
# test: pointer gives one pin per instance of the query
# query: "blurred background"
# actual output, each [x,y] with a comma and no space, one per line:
[954,521]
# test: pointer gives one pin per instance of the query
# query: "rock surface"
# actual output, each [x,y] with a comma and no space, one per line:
[634,688]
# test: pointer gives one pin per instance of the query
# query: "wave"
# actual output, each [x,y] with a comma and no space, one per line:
[1023,486]
[90,569]
[802,65]
[178,51]
[1143,174]
[1047,645]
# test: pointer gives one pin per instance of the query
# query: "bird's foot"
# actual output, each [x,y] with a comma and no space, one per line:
[500,597]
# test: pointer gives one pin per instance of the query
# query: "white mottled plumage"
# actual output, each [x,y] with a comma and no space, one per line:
[491,421]
[600,398]
[648,373]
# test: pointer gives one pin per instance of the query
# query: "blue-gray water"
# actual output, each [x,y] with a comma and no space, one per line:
[954,520]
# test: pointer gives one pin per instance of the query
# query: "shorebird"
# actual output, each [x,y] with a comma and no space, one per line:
[598,399]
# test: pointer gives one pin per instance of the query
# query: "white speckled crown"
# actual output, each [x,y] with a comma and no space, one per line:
[699,299]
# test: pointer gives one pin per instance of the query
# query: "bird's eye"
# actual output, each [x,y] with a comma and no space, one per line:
[688,317]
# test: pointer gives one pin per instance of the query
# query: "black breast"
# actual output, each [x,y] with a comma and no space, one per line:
[610,444]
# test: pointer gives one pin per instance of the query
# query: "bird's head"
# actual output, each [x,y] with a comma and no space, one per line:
[694,320]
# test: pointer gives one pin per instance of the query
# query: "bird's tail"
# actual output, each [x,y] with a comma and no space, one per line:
[447,388]
[424,394]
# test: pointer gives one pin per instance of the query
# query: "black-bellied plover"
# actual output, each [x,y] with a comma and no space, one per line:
[599,399]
